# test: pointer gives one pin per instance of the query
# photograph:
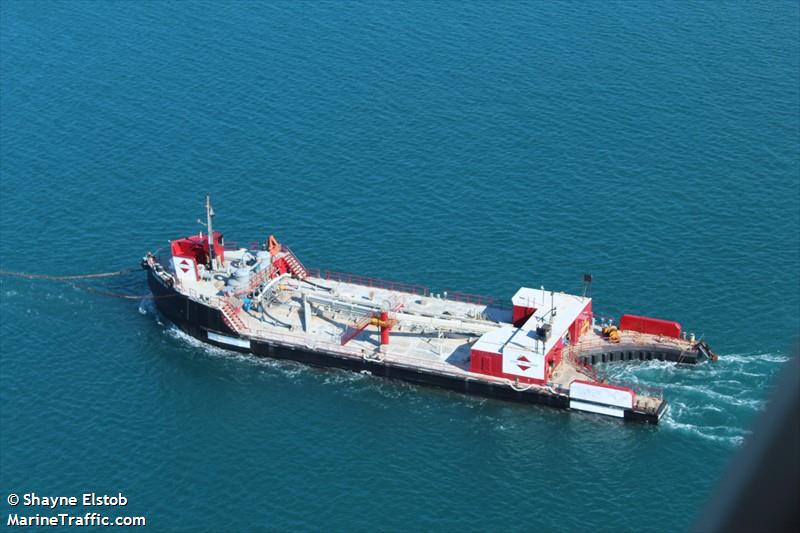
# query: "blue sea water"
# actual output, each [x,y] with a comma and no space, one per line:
[477,146]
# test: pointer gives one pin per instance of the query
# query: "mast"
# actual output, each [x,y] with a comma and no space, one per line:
[212,259]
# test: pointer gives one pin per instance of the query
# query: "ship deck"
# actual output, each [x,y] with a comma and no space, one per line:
[432,333]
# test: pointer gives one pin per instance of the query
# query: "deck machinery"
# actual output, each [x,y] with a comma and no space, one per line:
[542,348]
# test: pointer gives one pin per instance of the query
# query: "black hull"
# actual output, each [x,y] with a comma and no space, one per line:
[635,352]
[198,320]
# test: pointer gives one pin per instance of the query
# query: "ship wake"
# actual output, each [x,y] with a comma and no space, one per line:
[710,400]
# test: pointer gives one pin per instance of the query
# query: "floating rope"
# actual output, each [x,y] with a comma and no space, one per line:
[65,278]
[69,279]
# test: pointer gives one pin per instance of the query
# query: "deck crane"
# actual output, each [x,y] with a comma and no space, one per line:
[384,319]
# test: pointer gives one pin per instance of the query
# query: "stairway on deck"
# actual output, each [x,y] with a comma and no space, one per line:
[231,317]
[295,266]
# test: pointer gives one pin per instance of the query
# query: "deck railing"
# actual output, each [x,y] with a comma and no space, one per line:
[477,299]
[344,277]
[591,342]
[639,388]
[411,288]
[585,368]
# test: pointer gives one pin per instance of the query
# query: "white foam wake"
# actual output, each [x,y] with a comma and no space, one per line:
[710,400]
[705,432]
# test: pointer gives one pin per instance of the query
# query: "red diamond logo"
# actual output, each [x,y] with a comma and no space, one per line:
[184,265]
[523,367]
[523,359]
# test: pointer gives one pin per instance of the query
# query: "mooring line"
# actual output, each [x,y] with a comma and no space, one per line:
[65,278]
[69,279]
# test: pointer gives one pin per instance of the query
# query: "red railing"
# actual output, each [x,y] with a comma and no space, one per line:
[411,288]
[230,312]
[587,368]
[477,299]
[297,268]
[255,281]
[378,283]
[601,377]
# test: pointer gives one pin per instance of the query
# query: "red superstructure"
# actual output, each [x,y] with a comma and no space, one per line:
[653,326]
[531,348]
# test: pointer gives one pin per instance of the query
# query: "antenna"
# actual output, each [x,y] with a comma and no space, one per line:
[212,259]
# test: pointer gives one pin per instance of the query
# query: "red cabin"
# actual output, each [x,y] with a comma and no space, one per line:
[196,247]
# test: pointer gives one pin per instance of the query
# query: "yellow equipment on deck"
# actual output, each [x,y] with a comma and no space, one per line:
[611,334]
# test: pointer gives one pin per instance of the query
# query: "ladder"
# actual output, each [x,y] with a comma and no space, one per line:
[230,316]
[294,264]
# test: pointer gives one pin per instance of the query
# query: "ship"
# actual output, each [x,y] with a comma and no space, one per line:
[540,347]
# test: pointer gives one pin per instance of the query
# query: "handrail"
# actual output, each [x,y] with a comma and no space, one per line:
[477,299]
[635,338]
[366,281]
[581,366]
[255,280]
[288,251]
[639,389]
